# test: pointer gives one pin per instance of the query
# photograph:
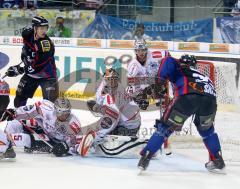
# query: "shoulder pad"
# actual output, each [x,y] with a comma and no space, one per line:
[47,105]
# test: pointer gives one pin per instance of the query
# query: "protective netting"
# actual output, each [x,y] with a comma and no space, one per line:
[223,74]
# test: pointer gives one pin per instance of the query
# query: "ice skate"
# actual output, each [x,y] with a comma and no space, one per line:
[216,166]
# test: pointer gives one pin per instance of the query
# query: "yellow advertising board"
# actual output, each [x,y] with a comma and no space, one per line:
[191,46]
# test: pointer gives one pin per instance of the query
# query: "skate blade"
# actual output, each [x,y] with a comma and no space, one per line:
[218,171]
[8,159]
[141,171]
[168,153]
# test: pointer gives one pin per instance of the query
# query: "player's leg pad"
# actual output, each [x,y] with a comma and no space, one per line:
[120,147]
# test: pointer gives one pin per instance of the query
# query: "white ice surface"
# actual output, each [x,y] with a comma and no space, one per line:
[184,169]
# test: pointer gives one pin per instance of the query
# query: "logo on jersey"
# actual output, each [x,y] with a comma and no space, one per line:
[74,126]
[61,128]
[106,123]
[28,108]
[205,81]
[45,44]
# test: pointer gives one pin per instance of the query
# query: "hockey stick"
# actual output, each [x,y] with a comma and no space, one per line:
[5,75]
[36,136]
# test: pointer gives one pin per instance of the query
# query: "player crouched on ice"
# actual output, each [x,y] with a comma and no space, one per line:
[120,120]
[44,127]
[6,149]
[194,94]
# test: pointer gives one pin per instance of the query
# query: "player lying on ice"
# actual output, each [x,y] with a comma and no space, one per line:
[120,119]
[194,95]
[52,128]
[44,127]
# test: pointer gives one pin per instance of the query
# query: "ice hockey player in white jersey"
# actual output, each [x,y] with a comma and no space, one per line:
[55,128]
[141,73]
[119,115]
[145,64]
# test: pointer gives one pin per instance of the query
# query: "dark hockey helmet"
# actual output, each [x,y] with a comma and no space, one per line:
[4,95]
[39,21]
[188,60]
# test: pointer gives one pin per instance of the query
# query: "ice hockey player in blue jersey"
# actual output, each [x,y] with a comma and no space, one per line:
[194,94]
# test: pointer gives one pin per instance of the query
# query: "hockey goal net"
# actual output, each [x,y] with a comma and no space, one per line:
[224,77]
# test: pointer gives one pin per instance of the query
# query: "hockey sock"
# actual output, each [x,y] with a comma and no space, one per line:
[157,139]
[211,141]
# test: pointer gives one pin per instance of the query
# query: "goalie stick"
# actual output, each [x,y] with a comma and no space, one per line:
[36,136]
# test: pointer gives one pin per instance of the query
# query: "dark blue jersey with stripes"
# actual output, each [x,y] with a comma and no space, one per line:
[184,79]
[38,56]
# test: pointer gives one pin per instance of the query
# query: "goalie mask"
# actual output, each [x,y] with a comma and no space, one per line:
[63,109]
[140,48]
[111,78]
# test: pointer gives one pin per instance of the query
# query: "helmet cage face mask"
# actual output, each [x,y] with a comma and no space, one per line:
[141,49]
[63,109]
[112,82]
[111,78]
[62,114]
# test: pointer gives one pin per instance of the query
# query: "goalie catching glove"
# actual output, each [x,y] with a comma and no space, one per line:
[141,100]
[60,149]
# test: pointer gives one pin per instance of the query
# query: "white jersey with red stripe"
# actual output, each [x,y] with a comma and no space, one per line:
[118,109]
[45,115]
[149,69]
[154,57]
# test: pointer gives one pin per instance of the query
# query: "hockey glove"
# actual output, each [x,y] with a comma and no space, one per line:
[143,104]
[27,32]
[141,100]
[8,115]
[60,149]
[14,71]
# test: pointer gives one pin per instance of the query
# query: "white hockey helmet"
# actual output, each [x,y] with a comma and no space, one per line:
[140,44]
[63,108]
